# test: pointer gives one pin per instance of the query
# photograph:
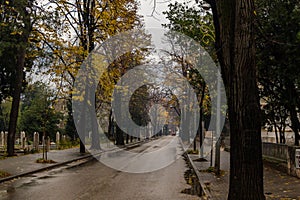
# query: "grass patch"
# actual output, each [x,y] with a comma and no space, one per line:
[4,174]
[67,144]
[41,160]
[191,151]
[209,170]
[212,170]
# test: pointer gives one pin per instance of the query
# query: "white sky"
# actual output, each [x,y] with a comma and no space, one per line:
[146,9]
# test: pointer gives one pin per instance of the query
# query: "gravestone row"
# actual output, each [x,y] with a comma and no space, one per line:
[23,142]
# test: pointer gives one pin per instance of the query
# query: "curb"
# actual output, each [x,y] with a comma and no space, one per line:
[45,168]
[91,156]
[204,192]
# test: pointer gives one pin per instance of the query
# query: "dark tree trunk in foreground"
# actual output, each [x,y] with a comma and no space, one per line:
[16,102]
[234,23]
[82,147]
[119,136]
[21,45]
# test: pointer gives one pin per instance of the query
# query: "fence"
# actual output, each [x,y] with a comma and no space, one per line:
[284,153]
[276,151]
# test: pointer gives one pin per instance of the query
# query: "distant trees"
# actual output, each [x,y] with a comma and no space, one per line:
[37,111]
[278,52]
[196,23]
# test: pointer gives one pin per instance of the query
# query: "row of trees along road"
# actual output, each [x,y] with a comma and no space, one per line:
[56,37]
[63,33]
[276,37]
[235,48]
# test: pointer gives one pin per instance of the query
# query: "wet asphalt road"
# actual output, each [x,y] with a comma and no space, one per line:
[94,180]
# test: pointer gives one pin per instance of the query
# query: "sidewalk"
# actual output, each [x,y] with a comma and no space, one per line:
[25,164]
[277,185]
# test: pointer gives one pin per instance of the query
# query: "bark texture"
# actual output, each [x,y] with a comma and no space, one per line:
[234,23]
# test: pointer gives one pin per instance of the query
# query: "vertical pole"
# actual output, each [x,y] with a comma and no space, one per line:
[212,148]
[218,130]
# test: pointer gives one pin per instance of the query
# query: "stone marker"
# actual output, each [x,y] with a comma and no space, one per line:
[2,139]
[36,140]
[57,139]
[5,138]
[23,140]
[64,138]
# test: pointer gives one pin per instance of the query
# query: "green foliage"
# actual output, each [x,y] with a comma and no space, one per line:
[278,52]
[194,22]
[67,144]
[191,151]
[37,112]
[4,174]
[70,128]
[138,106]
[5,108]
[41,160]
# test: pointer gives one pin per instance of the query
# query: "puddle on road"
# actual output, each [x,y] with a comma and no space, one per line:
[46,177]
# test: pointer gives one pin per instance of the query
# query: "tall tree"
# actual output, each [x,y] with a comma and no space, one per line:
[235,44]
[89,23]
[17,16]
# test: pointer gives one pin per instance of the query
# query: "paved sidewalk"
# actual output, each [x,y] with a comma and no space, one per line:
[277,184]
[24,164]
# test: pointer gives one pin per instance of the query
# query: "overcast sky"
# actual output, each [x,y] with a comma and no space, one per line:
[158,19]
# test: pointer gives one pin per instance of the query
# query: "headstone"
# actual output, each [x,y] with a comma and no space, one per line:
[36,140]
[57,139]
[64,138]
[23,139]
[5,138]
[2,139]
[24,143]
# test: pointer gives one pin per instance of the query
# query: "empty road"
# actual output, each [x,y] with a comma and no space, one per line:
[95,180]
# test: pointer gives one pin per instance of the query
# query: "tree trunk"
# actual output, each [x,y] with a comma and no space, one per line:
[20,64]
[94,124]
[295,123]
[276,134]
[236,52]
[16,101]
[82,147]
[127,139]
[200,129]
[119,136]
[82,122]
[291,92]
[110,133]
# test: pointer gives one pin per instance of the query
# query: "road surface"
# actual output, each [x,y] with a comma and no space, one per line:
[95,180]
